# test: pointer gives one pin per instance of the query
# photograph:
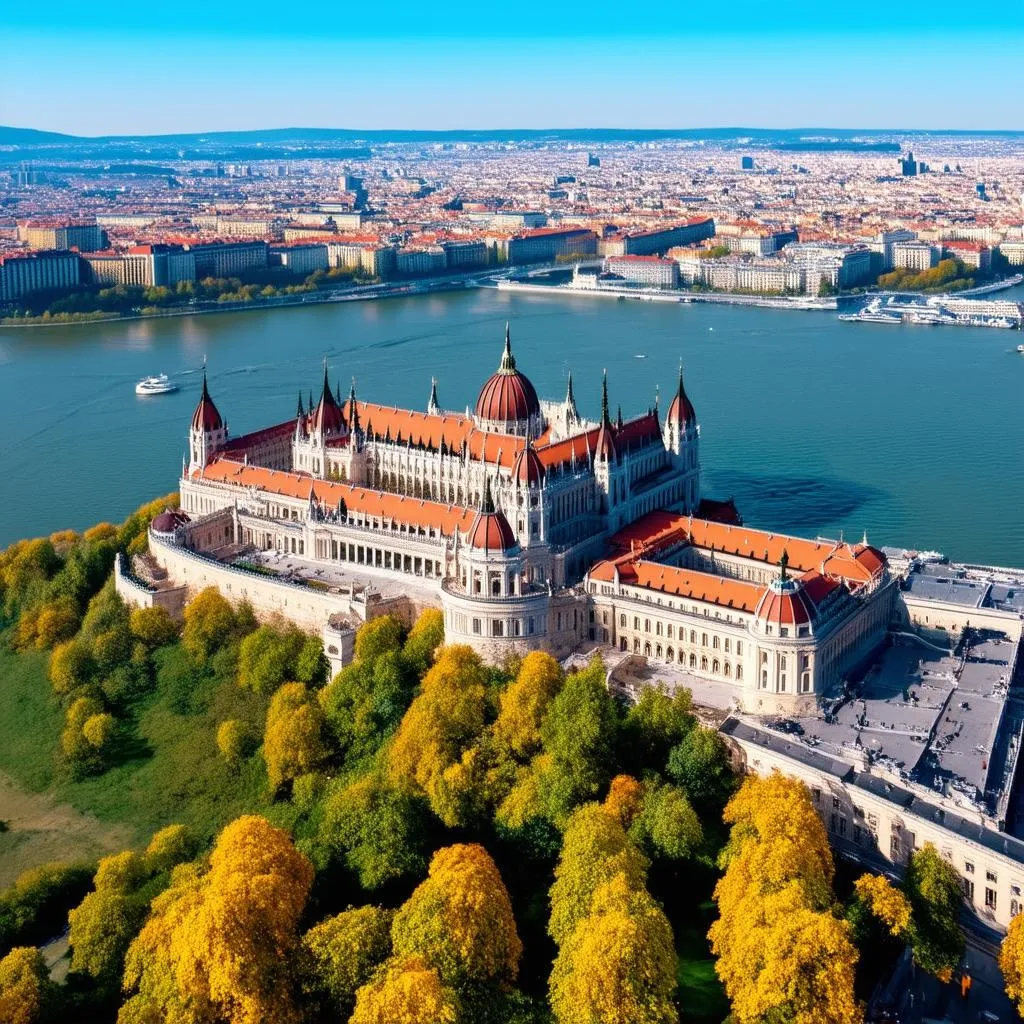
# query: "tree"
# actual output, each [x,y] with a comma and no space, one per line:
[80,749]
[172,845]
[885,901]
[526,701]
[344,951]
[311,664]
[26,991]
[426,635]
[595,848]
[579,734]
[103,925]
[625,799]
[667,825]
[407,992]
[700,764]
[619,964]
[268,656]
[153,626]
[460,921]
[441,723]
[933,888]
[233,740]
[220,945]
[377,637]
[35,908]
[71,666]
[377,828]
[1011,962]
[209,621]
[656,723]
[57,620]
[782,954]
[293,743]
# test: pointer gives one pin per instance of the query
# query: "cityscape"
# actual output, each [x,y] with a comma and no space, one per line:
[458,570]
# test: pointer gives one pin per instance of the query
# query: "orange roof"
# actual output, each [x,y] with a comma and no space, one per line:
[376,504]
[700,586]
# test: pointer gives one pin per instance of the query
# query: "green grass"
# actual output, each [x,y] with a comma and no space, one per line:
[701,997]
[167,768]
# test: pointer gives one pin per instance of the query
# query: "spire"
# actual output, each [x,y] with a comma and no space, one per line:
[337,390]
[326,394]
[783,566]
[353,408]
[618,418]
[300,412]
[604,400]
[312,405]
[657,398]
[508,362]
[433,406]
[487,505]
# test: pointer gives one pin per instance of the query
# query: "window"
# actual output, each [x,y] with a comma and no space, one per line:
[739,646]
[968,867]
[622,621]
[990,898]
[816,795]
[497,628]
[476,626]
[715,642]
[991,876]
[968,887]
[636,621]
[835,801]
[1014,908]
[728,645]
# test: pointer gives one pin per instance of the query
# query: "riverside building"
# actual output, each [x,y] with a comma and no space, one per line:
[885,680]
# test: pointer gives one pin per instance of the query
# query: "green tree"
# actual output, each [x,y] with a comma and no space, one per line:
[700,764]
[667,825]
[425,637]
[342,954]
[209,622]
[933,888]
[293,743]
[377,829]
[267,657]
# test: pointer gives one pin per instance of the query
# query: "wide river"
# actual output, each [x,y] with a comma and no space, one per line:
[913,434]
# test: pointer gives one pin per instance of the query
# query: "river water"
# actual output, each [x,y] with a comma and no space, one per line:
[913,434]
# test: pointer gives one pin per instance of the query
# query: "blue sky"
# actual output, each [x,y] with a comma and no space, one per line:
[201,66]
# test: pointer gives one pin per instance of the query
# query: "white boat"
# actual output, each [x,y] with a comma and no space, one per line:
[1020,349]
[159,385]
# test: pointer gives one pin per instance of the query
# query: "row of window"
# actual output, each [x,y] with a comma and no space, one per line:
[715,642]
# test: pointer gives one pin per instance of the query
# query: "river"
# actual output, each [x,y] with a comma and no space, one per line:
[913,434]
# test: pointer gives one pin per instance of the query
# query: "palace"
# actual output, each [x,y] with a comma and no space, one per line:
[535,528]
[886,683]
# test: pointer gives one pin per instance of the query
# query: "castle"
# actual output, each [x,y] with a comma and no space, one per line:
[535,528]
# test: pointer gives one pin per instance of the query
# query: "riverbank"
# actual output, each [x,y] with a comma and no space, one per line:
[359,293]
[656,295]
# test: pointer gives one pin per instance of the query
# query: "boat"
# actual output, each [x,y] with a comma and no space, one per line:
[1020,349]
[159,385]
[639,355]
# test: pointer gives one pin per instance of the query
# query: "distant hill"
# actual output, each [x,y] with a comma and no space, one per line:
[30,137]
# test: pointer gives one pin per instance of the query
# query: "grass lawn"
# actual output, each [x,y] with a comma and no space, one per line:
[701,997]
[167,768]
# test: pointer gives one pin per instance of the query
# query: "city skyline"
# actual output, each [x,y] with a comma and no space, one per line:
[882,68]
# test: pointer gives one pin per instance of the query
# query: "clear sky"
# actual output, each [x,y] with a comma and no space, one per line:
[196,65]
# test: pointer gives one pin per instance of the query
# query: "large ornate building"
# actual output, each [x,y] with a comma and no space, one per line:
[533,527]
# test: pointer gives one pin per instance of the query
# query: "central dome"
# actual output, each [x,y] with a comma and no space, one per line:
[508,401]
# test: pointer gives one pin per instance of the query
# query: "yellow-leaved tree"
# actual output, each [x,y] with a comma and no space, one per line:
[26,991]
[1011,962]
[885,901]
[441,724]
[619,964]
[781,952]
[221,945]
[408,992]
[460,921]
[293,743]
[525,702]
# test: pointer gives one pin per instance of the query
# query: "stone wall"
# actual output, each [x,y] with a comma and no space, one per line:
[137,594]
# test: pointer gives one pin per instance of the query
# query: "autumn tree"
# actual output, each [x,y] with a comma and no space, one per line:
[932,886]
[343,952]
[440,725]
[595,848]
[619,964]
[209,622]
[781,951]
[376,828]
[153,627]
[233,740]
[220,945]
[293,743]
[26,992]
[525,702]
[885,901]
[625,799]
[407,992]
[425,637]
[460,921]
[1011,962]
[71,666]
[86,735]
[267,657]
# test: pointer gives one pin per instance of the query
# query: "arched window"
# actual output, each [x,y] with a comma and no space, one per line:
[622,643]
[647,650]
[622,621]
[703,639]
[739,671]
[636,646]
[704,664]
[670,655]
[693,660]
[693,636]
[657,651]
[728,670]
[764,679]
[657,628]
[716,667]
